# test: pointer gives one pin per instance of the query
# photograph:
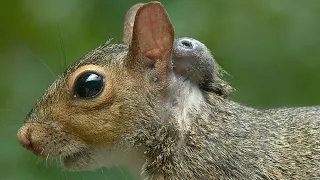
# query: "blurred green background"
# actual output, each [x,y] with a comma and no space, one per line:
[270,48]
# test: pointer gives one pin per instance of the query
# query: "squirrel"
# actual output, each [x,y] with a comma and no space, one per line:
[135,104]
[192,60]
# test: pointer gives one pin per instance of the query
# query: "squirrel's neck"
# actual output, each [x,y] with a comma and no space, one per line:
[195,140]
[173,139]
[192,138]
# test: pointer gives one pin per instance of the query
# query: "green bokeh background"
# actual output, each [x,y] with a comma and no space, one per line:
[270,48]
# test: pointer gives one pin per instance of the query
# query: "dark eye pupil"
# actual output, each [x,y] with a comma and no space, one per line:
[88,85]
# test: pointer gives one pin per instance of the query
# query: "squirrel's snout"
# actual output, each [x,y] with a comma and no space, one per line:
[24,137]
[29,139]
[184,46]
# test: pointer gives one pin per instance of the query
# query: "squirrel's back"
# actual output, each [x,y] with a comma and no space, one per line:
[278,143]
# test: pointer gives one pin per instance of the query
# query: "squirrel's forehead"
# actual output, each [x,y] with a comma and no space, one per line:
[102,56]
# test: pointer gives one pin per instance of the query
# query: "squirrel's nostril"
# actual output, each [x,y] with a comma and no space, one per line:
[24,137]
[186,44]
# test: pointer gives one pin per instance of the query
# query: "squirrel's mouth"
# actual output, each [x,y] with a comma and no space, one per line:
[81,160]
[75,160]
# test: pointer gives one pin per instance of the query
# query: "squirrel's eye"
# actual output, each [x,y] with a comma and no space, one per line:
[88,85]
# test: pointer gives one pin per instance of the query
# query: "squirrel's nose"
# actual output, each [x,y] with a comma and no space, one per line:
[187,48]
[24,137]
[186,44]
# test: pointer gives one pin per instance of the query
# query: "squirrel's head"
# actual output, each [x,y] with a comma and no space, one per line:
[192,60]
[103,95]
[113,91]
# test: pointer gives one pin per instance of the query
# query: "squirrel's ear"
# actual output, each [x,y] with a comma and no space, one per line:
[152,35]
[129,22]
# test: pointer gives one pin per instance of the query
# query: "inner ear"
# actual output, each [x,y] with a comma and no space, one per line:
[153,33]
[129,22]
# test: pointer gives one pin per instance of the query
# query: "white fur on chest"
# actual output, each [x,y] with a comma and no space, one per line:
[185,99]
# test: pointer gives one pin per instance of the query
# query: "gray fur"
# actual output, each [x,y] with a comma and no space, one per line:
[216,139]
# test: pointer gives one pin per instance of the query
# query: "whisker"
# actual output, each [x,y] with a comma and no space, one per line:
[39,59]
[24,110]
[104,175]
[48,157]
[59,161]
[20,108]
[56,160]
[39,160]
[122,173]
[63,52]
[11,124]
[42,151]
[65,175]
[6,109]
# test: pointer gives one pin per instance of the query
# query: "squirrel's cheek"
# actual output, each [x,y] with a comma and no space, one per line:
[92,130]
